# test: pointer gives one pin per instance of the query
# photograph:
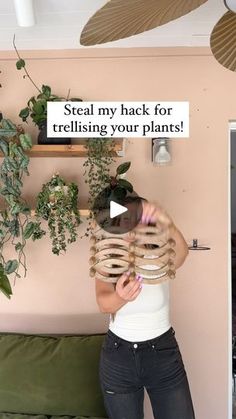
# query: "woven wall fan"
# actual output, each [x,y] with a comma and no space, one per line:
[120,19]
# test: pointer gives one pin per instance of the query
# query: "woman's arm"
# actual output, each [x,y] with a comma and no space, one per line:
[153,213]
[181,247]
[110,298]
[107,299]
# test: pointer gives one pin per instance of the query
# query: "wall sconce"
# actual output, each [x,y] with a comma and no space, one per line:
[160,151]
[24,12]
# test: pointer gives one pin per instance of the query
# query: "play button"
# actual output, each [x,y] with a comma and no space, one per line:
[117,211]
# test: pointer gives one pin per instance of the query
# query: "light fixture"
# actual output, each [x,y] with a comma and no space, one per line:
[160,153]
[24,12]
[231,5]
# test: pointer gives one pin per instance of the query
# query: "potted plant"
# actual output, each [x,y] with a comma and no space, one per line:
[36,108]
[58,204]
[16,225]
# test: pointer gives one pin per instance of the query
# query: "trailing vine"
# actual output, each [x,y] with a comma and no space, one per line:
[36,107]
[97,170]
[98,175]
[58,204]
[15,224]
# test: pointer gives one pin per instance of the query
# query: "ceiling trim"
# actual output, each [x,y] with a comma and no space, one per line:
[91,53]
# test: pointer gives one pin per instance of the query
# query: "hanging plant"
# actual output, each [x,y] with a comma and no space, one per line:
[58,204]
[36,108]
[15,224]
[97,165]
[98,176]
[100,153]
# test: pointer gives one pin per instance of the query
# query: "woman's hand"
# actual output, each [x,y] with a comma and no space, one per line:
[154,213]
[128,289]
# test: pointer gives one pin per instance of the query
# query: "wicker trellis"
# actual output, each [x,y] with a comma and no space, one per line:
[147,250]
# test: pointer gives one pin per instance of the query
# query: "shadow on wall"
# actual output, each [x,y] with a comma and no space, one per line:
[53,324]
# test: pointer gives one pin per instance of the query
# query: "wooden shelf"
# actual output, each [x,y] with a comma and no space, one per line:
[83,212]
[71,150]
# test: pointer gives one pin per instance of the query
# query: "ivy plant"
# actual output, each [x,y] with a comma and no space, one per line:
[58,204]
[36,107]
[16,225]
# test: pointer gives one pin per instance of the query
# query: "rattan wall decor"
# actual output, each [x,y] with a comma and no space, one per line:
[146,250]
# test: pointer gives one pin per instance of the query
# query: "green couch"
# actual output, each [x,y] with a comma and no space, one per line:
[50,376]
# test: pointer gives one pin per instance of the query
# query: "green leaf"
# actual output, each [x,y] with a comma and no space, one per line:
[4,191]
[18,182]
[11,266]
[4,146]
[31,101]
[123,168]
[14,227]
[24,113]
[125,184]
[7,128]
[20,64]
[29,229]
[5,285]
[24,162]
[16,208]
[10,164]
[25,210]
[46,90]
[7,124]
[18,246]
[26,142]
[10,190]
[40,106]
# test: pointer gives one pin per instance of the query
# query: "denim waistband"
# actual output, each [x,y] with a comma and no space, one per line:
[148,342]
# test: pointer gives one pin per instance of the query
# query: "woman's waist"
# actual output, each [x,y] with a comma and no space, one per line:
[134,313]
[143,337]
[140,326]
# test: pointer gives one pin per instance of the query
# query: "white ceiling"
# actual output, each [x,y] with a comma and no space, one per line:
[59,24]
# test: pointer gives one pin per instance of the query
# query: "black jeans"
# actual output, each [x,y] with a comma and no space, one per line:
[126,368]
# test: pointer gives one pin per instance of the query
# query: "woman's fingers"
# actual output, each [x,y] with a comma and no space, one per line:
[122,280]
[136,294]
[132,287]
[149,215]
[126,288]
[155,213]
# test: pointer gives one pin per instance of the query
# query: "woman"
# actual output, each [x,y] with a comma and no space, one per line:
[140,349]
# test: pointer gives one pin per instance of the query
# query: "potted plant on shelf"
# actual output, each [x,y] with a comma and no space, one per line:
[58,204]
[36,108]
[16,225]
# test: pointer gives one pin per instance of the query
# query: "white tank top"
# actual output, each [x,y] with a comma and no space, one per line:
[146,317]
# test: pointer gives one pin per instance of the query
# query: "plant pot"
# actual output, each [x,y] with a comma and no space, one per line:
[44,139]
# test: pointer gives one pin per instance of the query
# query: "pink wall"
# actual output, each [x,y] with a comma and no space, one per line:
[58,294]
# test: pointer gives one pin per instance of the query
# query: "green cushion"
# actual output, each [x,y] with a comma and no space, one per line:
[20,416]
[74,417]
[23,416]
[50,375]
